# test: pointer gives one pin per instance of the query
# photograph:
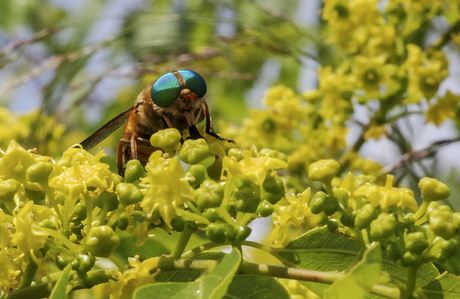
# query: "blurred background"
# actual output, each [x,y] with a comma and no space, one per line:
[83,62]
[67,67]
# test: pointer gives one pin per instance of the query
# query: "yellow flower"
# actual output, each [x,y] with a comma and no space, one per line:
[375,132]
[77,170]
[11,268]
[253,168]
[292,211]
[425,73]
[373,73]
[137,276]
[167,187]
[28,235]
[445,108]
[16,161]
[387,196]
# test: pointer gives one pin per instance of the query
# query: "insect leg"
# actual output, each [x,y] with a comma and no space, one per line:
[134,146]
[209,126]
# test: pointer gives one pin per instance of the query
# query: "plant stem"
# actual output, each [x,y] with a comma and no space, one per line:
[309,275]
[410,285]
[182,242]
[29,273]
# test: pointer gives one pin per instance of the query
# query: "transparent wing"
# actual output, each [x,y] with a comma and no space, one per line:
[105,131]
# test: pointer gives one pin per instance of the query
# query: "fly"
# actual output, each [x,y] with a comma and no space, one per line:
[175,100]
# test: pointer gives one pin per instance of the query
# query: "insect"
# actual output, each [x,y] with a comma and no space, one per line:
[175,100]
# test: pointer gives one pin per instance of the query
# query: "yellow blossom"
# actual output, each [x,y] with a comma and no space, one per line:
[375,132]
[77,170]
[28,235]
[292,211]
[167,188]
[253,168]
[138,275]
[425,73]
[445,108]
[387,196]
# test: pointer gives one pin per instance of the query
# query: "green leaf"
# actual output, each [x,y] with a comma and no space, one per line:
[212,285]
[321,250]
[59,290]
[360,278]
[444,286]
[254,286]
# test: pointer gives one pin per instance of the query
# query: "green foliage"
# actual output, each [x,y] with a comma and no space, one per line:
[341,223]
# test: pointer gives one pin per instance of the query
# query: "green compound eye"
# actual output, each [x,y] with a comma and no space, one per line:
[165,90]
[194,82]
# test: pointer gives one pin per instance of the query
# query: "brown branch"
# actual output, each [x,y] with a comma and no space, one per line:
[418,155]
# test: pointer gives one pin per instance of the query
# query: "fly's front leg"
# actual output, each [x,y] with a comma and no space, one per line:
[209,126]
[122,152]
[133,142]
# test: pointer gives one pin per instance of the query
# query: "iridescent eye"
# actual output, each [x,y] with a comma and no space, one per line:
[194,82]
[165,90]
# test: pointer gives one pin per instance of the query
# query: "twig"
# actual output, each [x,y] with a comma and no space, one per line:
[418,155]
[16,44]
[51,63]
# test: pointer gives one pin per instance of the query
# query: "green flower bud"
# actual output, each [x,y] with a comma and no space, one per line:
[63,260]
[36,195]
[416,242]
[243,183]
[134,171]
[212,215]
[410,260]
[209,195]
[433,190]
[442,222]
[317,202]
[323,171]
[129,194]
[265,209]
[273,184]
[272,189]
[83,263]
[217,232]
[242,232]
[178,223]
[102,241]
[194,151]
[246,200]
[109,200]
[332,225]
[364,216]
[348,219]
[330,205]
[449,248]
[395,251]
[383,227]
[168,140]
[39,172]
[123,221]
[197,173]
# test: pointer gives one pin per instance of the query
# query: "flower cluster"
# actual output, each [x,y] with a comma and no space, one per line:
[359,207]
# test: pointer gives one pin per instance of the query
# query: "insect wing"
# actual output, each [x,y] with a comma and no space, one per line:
[105,131]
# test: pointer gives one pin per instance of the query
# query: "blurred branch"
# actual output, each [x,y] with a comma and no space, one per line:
[418,155]
[16,44]
[49,64]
